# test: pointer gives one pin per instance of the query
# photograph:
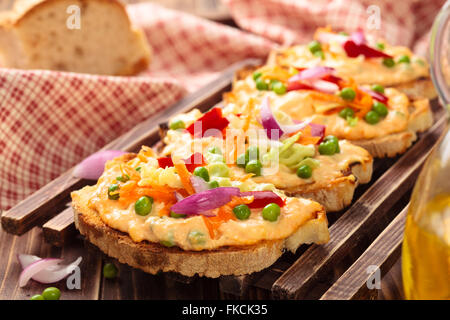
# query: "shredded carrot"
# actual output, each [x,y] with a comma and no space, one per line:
[224,214]
[129,196]
[245,177]
[133,174]
[275,72]
[248,113]
[184,176]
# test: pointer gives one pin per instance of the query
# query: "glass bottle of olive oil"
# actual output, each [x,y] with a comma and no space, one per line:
[426,245]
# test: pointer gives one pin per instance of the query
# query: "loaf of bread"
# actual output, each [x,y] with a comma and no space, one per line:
[86,36]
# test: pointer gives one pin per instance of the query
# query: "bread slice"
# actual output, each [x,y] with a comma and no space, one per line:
[36,35]
[153,257]
[337,194]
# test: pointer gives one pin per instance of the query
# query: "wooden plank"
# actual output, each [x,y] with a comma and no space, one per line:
[382,253]
[59,230]
[319,264]
[49,200]
[33,243]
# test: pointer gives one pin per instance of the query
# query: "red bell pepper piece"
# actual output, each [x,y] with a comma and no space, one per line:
[353,50]
[263,198]
[213,119]
[194,161]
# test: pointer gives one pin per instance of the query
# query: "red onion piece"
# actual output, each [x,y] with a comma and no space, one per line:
[312,73]
[317,130]
[50,274]
[295,127]
[263,198]
[198,184]
[36,267]
[376,95]
[324,86]
[269,122]
[178,196]
[202,202]
[358,37]
[353,50]
[92,167]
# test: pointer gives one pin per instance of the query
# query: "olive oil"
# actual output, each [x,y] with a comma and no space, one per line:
[426,252]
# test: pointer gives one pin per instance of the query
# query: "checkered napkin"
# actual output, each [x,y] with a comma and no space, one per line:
[50,120]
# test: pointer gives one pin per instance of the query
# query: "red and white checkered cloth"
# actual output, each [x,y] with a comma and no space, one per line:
[50,120]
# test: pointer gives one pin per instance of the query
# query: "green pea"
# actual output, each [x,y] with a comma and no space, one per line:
[380,45]
[372,117]
[37,297]
[214,150]
[378,88]
[271,212]
[123,178]
[51,293]
[403,59]
[319,54]
[213,184]
[380,108]
[388,62]
[196,238]
[314,46]
[178,124]
[242,212]
[256,75]
[347,94]
[143,206]
[253,166]
[176,215]
[110,271]
[261,84]
[113,188]
[347,112]
[304,172]
[279,88]
[352,121]
[202,172]
[218,170]
[335,140]
[327,148]
[252,153]
[167,243]
[242,160]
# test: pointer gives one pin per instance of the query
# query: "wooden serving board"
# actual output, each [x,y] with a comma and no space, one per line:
[368,234]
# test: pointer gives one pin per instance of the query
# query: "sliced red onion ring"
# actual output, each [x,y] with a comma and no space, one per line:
[199,184]
[324,86]
[44,270]
[295,127]
[92,167]
[312,73]
[376,95]
[200,203]
[178,196]
[358,37]
[298,86]
[269,122]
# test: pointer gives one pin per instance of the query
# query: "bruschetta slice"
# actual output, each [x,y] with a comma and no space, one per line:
[302,161]
[367,61]
[382,120]
[161,216]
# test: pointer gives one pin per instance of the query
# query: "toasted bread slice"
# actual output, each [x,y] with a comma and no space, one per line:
[153,257]
[44,34]
[420,118]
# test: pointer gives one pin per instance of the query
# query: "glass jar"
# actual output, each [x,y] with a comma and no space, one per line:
[426,245]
